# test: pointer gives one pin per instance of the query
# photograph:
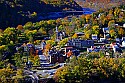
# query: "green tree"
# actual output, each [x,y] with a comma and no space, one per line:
[95,29]
[18,59]
[51,42]
[42,31]
[19,78]
[10,34]
[63,42]
[84,70]
[3,48]
[28,25]
[5,74]
[30,34]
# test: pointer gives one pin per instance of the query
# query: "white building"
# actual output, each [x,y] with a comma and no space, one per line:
[123,43]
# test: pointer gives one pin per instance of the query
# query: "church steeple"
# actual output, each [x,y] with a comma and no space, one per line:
[57,37]
[56,29]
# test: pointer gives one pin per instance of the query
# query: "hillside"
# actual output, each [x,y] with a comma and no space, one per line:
[97,4]
[15,12]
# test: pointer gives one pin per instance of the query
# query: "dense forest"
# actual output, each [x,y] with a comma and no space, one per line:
[15,12]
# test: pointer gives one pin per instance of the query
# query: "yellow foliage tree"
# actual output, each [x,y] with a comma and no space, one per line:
[121,31]
[111,23]
[112,33]
[87,18]
[88,34]
[47,48]
[42,30]
[75,36]
[19,27]
[6,74]
[95,29]
[51,42]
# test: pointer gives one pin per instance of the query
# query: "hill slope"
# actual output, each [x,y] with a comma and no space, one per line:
[14,12]
[97,4]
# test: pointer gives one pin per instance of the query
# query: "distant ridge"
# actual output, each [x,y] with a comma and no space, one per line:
[97,4]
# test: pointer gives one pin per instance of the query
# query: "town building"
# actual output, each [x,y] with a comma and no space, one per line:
[79,43]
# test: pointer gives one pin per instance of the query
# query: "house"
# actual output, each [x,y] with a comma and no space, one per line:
[106,30]
[123,43]
[102,39]
[80,33]
[94,37]
[56,56]
[118,40]
[43,43]
[124,25]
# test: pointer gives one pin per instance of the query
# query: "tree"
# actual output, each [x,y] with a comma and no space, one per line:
[69,30]
[19,78]
[42,31]
[30,34]
[51,42]
[19,27]
[63,42]
[10,34]
[18,59]
[58,21]
[75,36]
[113,33]
[28,25]
[3,48]
[121,31]
[5,74]
[35,60]
[95,29]
[47,48]
[116,12]
[88,34]
[87,18]
[111,23]
[84,70]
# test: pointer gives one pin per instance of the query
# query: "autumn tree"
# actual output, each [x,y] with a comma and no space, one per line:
[84,70]
[42,31]
[28,25]
[47,48]
[95,29]
[121,31]
[75,36]
[5,74]
[18,59]
[63,42]
[87,18]
[10,34]
[111,23]
[30,34]
[3,48]
[19,27]
[51,42]
[113,33]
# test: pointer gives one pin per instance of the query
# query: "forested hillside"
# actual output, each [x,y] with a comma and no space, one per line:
[15,12]
[97,4]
